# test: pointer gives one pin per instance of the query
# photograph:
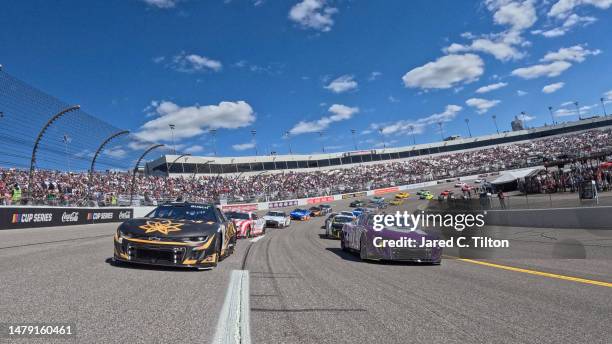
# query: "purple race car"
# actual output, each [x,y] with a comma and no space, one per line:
[361,237]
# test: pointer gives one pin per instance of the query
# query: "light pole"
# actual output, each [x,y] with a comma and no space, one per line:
[172,132]
[353,135]
[66,139]
[578,110]
[287,135]
[441,130]
[382,137]
[467,123]
[322,142]
[495,122]
[213,132]
[552,115]
[602,100]
[253,133]
[412,132]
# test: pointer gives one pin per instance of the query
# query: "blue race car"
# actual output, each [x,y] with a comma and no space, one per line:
[300,214]
[358,211]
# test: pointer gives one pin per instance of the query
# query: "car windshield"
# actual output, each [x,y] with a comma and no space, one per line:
[185,212]
[347,213]
[275,213]
[342,219]
[234,215]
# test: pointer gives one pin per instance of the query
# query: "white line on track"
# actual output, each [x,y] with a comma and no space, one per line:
[258,238]
[234,321]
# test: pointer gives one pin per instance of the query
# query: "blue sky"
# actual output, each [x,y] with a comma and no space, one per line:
[314,68]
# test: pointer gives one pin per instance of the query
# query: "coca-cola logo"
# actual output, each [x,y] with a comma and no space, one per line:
[70,217]
[124,215]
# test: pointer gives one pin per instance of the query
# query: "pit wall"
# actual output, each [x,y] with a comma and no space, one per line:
[586,217]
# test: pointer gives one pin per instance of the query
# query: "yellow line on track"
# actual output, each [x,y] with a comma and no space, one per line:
[538,273]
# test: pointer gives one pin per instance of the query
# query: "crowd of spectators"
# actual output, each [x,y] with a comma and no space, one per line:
[56,187]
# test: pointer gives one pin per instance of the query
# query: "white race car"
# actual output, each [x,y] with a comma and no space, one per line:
[277,219]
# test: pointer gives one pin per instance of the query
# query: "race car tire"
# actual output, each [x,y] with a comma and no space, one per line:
[342,244]
[363,254]
[248,232]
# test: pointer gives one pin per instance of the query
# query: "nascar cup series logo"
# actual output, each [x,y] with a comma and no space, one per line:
[31,218]
[99,216]
[70,217]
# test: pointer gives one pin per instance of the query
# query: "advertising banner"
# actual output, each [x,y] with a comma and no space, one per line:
[322,199]
[354,195]
[282,204]
[386,190]
[30,217]
[240,207]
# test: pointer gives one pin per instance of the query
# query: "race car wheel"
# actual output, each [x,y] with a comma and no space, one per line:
[217,251]
[342,244]
[362,248]
[248,233]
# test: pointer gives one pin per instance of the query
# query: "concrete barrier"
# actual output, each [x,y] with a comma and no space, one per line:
[586,217]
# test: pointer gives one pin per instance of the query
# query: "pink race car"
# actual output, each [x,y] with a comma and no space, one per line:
[247,224]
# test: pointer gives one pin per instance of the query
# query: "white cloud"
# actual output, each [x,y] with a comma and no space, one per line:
[517,15]
[243,146]
[418,126]
[115,152]
[481,105]
[577,53]
[193,120]
[553,87]
[500,50]
[568,24]
[536,71]
[339,113]
[194,149]
[445,72]
[392,99]
[313,14]
[492,87]
[374,75]
[526,118]
[608,95]
[342,84]
[161,3]
[189,63]
[563,8]
[521,93]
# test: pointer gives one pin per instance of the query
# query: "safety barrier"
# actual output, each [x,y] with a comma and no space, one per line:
[30,217]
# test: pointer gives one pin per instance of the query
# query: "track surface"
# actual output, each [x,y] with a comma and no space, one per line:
[303,289]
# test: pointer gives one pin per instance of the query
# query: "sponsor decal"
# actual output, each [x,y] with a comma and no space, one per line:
[386,190]
[100,216]
[239,207]
[354,195]
[31,218]
[322,199]
[282,204]
[70,217]
[163,227]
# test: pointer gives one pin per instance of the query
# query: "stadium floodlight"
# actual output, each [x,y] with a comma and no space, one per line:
[552,115]
[136,168]
[467,123]
[602,100]
[288,137]
[577,109]
[40,136]
[353,135]
[254,133]
[322,142]
[382,137]
[441,130]
[412,132]
[213,132]
[495,122]
[172,126]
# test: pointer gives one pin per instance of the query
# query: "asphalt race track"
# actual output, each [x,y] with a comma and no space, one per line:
[304,289]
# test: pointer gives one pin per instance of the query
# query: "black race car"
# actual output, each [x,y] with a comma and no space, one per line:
[356,204]
[176,234]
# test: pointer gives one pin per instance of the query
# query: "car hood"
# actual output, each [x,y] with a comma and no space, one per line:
[167,228]
[274,218]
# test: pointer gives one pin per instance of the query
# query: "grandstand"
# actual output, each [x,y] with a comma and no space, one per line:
[176,165]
